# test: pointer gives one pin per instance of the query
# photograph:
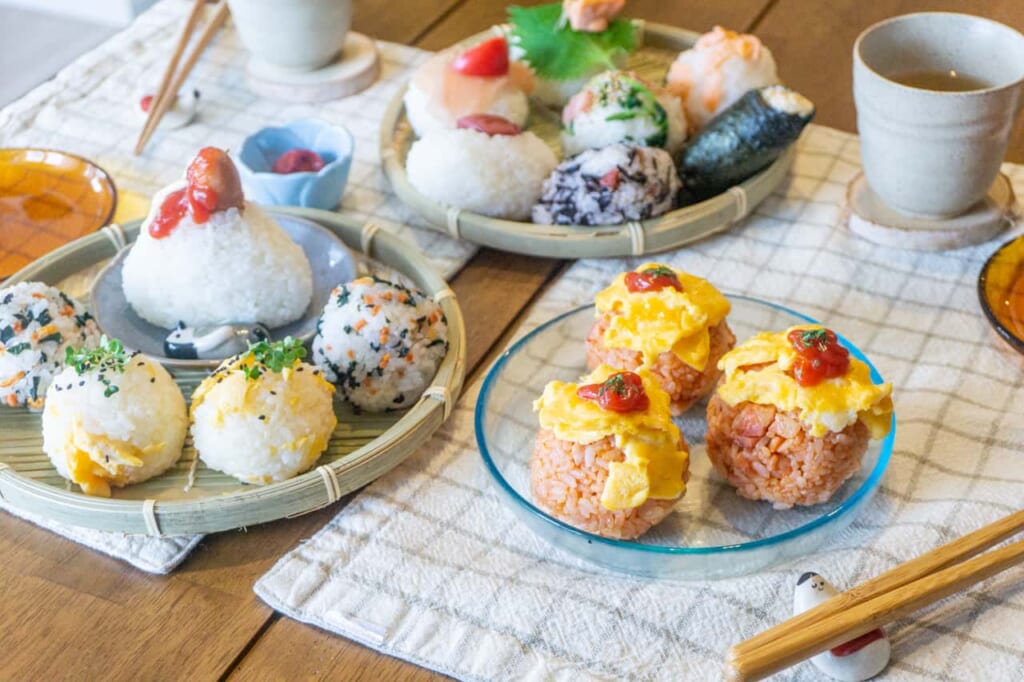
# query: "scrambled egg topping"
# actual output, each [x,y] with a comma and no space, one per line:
[758,371]
[654,322]
[656,455]
[96,461]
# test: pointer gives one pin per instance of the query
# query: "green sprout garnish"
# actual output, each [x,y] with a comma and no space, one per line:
[110,355]
[814,337]
[274,356]
[616,384]
[659,271]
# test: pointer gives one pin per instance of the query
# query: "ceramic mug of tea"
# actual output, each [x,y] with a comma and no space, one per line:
[936,94]
[294,35]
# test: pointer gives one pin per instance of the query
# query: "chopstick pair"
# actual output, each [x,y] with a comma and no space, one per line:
[173,79]
[887,597]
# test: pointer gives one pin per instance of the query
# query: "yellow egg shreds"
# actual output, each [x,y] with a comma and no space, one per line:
[654,322]
[655,453]
[759,371]
[96,461]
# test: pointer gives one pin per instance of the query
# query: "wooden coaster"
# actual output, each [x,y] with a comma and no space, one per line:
[355,69]
[872,220]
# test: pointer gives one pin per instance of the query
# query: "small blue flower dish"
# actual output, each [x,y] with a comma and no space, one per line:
[322,189]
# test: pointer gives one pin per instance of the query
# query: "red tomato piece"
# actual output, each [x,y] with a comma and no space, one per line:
[820,356]
[488,124]
[652,279]
[298,161]
[489,58]
[622,392]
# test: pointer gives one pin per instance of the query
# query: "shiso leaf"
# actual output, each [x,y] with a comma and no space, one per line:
[558,52]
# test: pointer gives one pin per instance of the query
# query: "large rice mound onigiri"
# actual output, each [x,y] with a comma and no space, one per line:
[236,267]
[770,455]
[684,384]
[99,438]
[495,175]
[262,430]
[380,342]
[37,325]
[567,479]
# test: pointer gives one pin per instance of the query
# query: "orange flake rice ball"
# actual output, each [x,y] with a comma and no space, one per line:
[613,469]
[793,416]
[380,343]
[668,321]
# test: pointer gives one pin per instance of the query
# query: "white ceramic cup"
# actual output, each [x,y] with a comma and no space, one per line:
[935,153]
[296,35]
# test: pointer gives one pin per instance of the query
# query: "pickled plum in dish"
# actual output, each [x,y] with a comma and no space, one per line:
[206,257]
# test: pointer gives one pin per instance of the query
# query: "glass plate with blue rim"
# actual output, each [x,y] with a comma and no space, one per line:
[712,532]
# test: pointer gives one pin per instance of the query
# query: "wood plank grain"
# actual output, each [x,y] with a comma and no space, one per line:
[699,15]
[813,44]
[395,21]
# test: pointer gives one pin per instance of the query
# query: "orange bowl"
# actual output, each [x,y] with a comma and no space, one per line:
[1001,290]
[48,198]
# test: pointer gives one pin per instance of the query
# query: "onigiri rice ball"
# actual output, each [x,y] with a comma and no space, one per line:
[260,422]
[380,342]
[113,419]
[238,267]
[609,186]
[618,106]
[437,96]
[495,175]
[37,325]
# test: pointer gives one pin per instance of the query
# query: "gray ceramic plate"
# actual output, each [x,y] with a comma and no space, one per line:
[332,264]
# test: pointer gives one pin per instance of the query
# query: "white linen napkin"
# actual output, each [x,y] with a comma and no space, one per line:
[427,565]
[89,109]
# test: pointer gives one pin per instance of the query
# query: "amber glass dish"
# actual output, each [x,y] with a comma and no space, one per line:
[48,198]
[1001,290]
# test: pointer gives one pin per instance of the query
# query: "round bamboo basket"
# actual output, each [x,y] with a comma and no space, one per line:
[659,46]
[362,448]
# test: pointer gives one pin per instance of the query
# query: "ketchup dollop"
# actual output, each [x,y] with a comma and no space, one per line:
[212,184]
[652,279]
[622,392]
[819,354]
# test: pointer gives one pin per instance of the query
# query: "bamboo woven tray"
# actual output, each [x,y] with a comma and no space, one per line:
[659,46]
[362,448]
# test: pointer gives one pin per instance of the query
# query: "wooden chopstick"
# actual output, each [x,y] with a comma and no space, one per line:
[165,99]
[800,643]
[946,555]
[165,80]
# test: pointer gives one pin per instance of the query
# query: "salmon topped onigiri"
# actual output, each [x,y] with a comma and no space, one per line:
[793,416]
[263,416]
[207,257]
[668,321]
[112,418]
[608,459]
[380,343]
[38,323]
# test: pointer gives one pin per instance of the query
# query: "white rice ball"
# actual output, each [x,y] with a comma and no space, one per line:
[719,69]
[236,267]
[495,175]
[262,430]
[609,186]
[437,97]
[37,325]
[105,428]
[380,342]
[617,106]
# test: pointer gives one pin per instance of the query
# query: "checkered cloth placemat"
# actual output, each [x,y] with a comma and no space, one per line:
[428,565]
[89,110]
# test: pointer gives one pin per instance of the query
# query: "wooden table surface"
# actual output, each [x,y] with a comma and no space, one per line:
[70,613]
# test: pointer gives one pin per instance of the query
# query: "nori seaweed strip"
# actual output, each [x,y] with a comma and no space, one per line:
[736,144]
